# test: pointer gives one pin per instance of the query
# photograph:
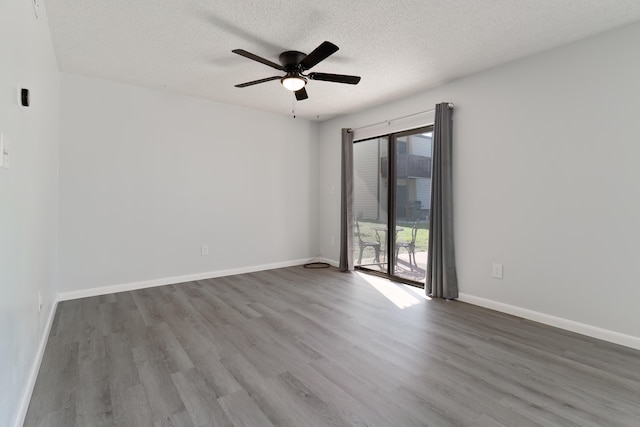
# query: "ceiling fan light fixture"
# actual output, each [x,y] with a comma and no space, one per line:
[294,64]
[293,82]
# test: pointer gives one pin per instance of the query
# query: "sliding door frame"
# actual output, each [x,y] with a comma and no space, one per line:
[392,140]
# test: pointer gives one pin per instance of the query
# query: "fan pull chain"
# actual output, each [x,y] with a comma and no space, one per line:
[293,107]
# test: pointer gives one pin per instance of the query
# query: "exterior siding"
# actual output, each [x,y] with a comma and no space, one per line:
[365,179]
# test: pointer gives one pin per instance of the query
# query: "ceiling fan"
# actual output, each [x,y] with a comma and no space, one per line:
[294,64]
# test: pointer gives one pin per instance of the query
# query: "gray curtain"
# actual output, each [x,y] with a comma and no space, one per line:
[442,280]
[346,211]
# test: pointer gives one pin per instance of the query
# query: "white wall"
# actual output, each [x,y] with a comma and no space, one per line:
[546,155]
[147,176]
[28,200]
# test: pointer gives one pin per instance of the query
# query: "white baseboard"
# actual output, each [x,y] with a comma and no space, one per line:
[558,322]
[35,368]
[104,290]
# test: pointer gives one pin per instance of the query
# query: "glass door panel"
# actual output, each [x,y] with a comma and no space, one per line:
[412,165]
[370,201]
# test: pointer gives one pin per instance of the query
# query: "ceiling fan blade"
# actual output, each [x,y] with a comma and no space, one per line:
[255,82]
[250,55]
[336,78]
[320,53]
[301,94]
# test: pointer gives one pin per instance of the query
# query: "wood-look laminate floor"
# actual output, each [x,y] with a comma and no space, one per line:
[299,347]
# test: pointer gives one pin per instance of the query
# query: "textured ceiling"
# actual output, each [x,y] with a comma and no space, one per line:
[398,47]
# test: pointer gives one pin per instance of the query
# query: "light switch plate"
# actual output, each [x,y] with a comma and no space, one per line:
[496,270]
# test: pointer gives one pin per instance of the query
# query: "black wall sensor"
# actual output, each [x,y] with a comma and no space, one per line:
[24,97]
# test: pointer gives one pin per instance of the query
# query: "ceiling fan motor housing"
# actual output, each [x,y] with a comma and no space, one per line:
[291,59]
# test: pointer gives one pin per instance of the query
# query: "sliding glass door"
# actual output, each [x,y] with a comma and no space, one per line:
[392,191]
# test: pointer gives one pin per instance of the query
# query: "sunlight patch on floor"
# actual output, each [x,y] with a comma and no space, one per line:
[403,296]
[418,292]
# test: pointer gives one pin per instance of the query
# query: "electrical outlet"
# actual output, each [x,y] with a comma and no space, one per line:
[333,240]
[496,270]
[204,250]
[4,151]
[1,150]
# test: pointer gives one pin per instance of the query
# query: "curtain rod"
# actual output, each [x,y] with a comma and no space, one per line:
[450,105]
